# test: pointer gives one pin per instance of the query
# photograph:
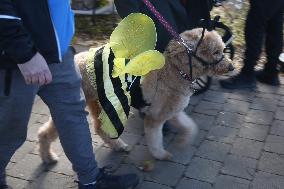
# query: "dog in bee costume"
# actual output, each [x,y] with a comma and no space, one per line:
[111,83]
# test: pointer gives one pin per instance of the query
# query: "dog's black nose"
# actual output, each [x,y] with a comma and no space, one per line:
[231,67]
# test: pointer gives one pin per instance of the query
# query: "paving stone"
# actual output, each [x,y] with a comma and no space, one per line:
[43,119]
[282,98]
[274,144]
[233,118]
[247,96]
[281,103]
[16,183]
[209,108]
[181,154]
[247,148]
[267,181]
[279,113]
[277,128]
[267,89]
[216,86]
[194,100]
[153,185]
[189,109]
[10,166]
[193,184]
[236,106]
[229,119]
[215,96]
[167,173]
[222,134]
[63,166]
[26,148]
[29,168]
[213,150]
[264,104]
[138,155]
[272,163]
[204,122]
[40,107]
[253,131]
[225,182]
[219,89]
[200,137]
[280,90]
[167,138]
[49,180]
[34,119]
[259,117]
[240,167]
[203,169]
[270,89]
[32,132]
[268,96]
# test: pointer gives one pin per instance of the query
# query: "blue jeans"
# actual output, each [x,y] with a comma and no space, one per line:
[66,103]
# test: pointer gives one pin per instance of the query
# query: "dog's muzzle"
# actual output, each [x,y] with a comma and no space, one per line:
[231,67]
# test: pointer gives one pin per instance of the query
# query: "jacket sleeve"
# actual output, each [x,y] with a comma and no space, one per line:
[15,42]
[125,7]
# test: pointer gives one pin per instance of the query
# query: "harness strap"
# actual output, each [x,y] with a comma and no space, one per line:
[7,82]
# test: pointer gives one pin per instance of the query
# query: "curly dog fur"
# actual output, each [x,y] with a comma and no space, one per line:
[165,89]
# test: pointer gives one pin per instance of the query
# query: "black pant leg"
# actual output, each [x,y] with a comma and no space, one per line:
[264,20]
[254,34]
[274,41]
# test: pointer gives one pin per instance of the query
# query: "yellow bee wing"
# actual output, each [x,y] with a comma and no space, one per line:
[135,34]
[143,64]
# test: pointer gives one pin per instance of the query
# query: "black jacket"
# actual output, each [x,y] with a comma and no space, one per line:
[181,17]
[25,28]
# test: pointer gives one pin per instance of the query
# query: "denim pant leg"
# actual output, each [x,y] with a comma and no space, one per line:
[15,111]
[66,103]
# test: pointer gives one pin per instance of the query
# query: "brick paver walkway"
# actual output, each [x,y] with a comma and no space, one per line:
[240,146]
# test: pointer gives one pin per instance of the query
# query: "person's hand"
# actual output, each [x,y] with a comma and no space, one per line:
[36,71]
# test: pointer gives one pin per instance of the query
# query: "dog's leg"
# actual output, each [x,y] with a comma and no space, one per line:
[188,128]
[46,135]
[116,144]
[154,138]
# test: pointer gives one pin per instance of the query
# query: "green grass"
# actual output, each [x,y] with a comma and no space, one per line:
[105,24]
[235,20]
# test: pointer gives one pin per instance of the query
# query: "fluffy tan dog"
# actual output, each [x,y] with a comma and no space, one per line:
[166,90]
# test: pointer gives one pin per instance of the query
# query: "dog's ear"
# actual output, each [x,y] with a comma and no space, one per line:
[174,48]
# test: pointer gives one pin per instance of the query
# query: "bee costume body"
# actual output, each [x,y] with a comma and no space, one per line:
[114,68]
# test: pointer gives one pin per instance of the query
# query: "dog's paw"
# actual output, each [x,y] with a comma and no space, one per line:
[49,158]
[120,145]
[122,148]
[163,155]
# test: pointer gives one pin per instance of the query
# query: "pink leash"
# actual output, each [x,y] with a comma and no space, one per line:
[168,27]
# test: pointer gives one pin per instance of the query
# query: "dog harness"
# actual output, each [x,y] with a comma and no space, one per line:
[189,49]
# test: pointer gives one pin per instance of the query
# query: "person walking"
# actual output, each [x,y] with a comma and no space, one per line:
[264,25]
[35,58]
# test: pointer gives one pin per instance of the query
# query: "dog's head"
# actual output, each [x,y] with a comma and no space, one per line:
[208,58]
